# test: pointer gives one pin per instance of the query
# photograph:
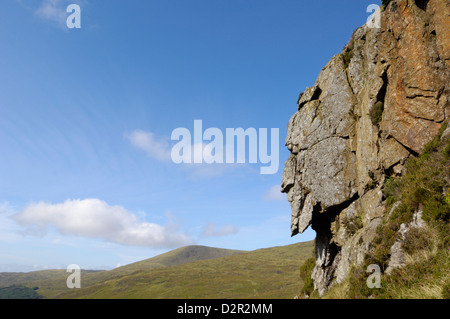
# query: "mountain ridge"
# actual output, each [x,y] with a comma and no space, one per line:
[181,269]
[183,255]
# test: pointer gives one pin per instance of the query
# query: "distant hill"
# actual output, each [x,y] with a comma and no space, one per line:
[178,257]
[193,272]
[50,280]
[53,282]
[16,278]
[263,273]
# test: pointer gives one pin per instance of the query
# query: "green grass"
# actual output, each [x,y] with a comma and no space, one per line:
[19,292]
[348,53]
[305,275]
[53,282]
[179,256]
[14,278]
[263,273]
[384,4]
[376,114]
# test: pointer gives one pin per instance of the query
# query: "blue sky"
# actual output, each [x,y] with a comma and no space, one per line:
[86,117]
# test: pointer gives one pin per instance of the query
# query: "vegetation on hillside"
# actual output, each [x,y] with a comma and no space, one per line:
[179,256]
[384,3]
[305,275]
[53,282]
[347,53]
[18,278]
[264,273]
[376,114]
[424,187]
[189,272]
[19,292]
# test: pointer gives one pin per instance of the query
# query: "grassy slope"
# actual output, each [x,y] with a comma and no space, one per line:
[18,292]
[18,278]
[14,278]
[178,257]
[263,273]
[425,186]
[53,282]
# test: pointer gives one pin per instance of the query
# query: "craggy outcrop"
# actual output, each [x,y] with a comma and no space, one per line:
[372,107]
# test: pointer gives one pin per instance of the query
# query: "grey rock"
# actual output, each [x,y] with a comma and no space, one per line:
[397,258]
[339,152]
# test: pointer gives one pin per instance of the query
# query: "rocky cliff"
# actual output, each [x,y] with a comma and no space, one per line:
[372,107]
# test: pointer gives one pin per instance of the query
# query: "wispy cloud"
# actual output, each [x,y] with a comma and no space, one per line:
[54,11]
[274,193]
[210,230]
[155,147]
[160,148]
[94,218]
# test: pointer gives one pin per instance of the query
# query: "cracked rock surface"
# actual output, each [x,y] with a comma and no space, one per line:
[372,107]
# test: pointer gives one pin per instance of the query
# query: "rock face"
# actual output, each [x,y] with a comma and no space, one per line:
[372,107]
[397,255]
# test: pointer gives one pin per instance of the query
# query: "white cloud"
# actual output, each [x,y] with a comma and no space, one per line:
[6,208]
[54,11]
[274,193]
[160,148]
[94,218]
[157,148]
[210,230]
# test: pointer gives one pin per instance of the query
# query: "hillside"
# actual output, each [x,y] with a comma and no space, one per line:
[19,292]
[194,272]
[264,273]
[53,282]
[368,169]
[18,278]
[15,278]
[178,257]
[412,242]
